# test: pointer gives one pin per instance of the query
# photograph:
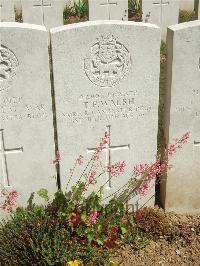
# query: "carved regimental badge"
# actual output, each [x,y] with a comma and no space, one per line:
[108,62]
[8,67]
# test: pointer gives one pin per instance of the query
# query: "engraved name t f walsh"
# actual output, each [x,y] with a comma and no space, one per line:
[109,62]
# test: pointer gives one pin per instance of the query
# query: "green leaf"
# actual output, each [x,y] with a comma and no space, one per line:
[123,229]
[101,190]
[90,236]
[80,230]
[59,198]
[100,241]
[43,193]
[83,216]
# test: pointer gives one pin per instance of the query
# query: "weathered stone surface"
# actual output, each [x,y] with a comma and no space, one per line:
[182,115]
[197,9]
[108,9]
[26,126]
[187,5]
[7,12]
[43,12]
[161,12]
[103,82]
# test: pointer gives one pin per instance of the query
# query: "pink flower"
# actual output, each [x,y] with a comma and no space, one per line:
[116,169]
[9,201]
[114,229]
[100,147]
[142,190]
[155,169]
[139,169]
[93,217]
[172,148]
[150,170]
[79,160]
[92,177]
[149,173]
[57,159]
[14,194]
[3,193]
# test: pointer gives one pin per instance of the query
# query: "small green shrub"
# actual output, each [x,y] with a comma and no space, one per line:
[134,6]
[63,231]
[134,10]
[16,237]
[81,8]
[78,11]
[68,12]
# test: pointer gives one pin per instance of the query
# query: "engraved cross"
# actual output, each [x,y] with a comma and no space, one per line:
[42,4]
[3,154]
[196,143]
[108,149]
[161,3]
[109,4]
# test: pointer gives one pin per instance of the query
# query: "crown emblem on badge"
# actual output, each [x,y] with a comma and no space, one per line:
[107,40]
[8,66]
[108,62]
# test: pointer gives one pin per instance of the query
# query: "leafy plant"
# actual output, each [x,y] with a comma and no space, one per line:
[134,5]
[78,225]
[68,11]
[81,8]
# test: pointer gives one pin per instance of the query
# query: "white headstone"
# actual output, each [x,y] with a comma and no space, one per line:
[108,9]
[183,113]
[26,126]
[161,12]
[43,12]
[7,12]
[187,5]
[104,83]
[197,9]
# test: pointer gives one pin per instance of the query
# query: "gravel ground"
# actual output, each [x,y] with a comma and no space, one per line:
[182,251]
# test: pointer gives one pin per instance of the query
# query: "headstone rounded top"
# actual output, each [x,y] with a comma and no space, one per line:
[185,25]
[103,22]
[22,25]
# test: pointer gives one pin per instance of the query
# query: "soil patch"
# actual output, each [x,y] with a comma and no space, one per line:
[184,250]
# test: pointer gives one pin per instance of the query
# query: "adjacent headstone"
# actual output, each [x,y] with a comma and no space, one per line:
[187,5]
[104,83]
[197,9]
[161,12]
[108,9]
[7,12]
[26,126]
[180,193]
[43,12]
